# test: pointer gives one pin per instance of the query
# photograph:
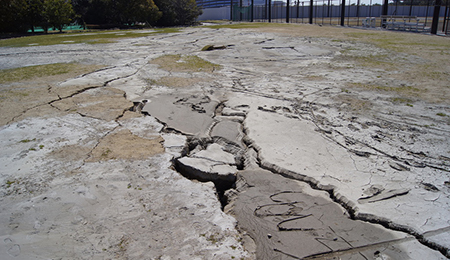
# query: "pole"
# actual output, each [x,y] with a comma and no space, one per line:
[253,5]
[384,10]
[445,17]
[231,10]
[410,7]
[240,10]
[435,22]
[329,6]
[357,12]
[303,10]
[288,6]
[343,13]
[270,11]
[311,5]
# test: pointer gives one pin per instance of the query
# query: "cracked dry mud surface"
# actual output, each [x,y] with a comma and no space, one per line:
[290,143]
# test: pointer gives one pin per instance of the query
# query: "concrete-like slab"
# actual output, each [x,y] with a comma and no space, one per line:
[289,220]
[215,152]
[180,115]
[206,170]
[230,130]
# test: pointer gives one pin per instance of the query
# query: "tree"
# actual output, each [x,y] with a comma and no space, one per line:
[119,12]
[178,12]
[12,15]
[34,13]
[99,12]
[81,9]
[130,12]
[57,13]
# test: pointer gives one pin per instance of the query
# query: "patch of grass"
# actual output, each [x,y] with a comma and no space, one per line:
[176,82]
[371,61]
[398,41]
[31,72]
[402,100]
[353,103]
[168,30]
[9,183]
[92,37]
[405,90]
[27,140]
[212,239]
[441,114]
[315,77]
[106,153]
[248,25]
[216,21]
[189,63]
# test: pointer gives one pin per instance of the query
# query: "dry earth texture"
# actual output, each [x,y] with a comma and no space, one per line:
[225,141]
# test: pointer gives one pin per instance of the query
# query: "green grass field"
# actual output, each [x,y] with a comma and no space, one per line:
[91,37]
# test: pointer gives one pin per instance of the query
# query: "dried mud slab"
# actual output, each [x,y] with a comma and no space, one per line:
[289,220]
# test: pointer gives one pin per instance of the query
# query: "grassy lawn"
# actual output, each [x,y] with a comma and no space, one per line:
[92,37]
[32,72]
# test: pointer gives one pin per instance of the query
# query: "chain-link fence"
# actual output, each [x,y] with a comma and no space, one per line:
[408,15]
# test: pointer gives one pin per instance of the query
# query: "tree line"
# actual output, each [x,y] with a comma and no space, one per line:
[24,15]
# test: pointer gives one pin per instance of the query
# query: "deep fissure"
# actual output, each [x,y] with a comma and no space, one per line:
[222,185]
[351,211]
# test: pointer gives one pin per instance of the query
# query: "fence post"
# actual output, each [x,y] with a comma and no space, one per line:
[435,22]
[287,11]
[343,13]
[270,11]
[253,6]
[240,10]
[384,11]
[445,18]
[231,10]
[311,6]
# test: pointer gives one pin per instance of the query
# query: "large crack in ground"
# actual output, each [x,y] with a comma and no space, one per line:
[214,157]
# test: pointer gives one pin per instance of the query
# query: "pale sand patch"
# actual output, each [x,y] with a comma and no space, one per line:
[177,82]
[124,145]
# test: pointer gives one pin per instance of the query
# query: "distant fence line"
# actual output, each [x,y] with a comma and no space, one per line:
[323,9]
